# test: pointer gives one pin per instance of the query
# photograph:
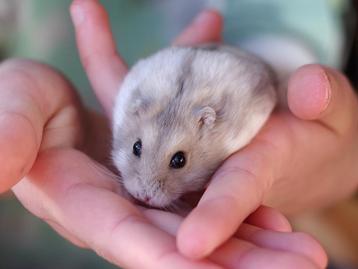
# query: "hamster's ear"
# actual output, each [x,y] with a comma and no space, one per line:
[206,116]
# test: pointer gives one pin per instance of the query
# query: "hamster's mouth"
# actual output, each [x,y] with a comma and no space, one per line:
[143,204]
[190,199]
[147,204]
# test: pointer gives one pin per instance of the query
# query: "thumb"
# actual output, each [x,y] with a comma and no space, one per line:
[320,93]
[37,111]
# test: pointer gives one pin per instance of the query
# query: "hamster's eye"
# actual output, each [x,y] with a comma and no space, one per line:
[178,160]
[137,148]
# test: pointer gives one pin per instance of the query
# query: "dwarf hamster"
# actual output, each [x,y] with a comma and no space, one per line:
[181,112]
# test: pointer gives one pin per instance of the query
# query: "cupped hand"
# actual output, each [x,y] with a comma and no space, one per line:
[54,158]
[303,159]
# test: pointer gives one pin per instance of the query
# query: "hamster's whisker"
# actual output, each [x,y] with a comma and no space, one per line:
[170,208]
[104,170]
[196,127]
[179,207]
[175,207]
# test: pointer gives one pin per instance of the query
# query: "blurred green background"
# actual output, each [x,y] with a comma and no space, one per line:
[28,243]
[42,30]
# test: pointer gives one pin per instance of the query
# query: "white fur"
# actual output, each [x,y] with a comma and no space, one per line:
[233,89]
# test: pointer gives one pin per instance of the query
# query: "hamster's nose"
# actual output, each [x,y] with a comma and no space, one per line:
[146,199]
[143,200]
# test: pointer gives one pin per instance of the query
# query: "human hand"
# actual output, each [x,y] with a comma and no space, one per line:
[303,159]
[201,31]
[49,137]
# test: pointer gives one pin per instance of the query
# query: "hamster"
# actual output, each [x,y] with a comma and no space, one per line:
[181,112]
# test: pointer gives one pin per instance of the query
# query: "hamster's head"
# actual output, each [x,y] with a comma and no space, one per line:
[168,133]
[159,164]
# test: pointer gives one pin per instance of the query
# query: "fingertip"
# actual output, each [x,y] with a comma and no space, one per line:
[194,235]
[206,228]
[269,218]
[295,242]
[309,92]
[190,240]
[216,24]
[321,257]
[190,244]
[205,28]
[98,52]
[312,249]
[77,12]
[211,16]
[281,224]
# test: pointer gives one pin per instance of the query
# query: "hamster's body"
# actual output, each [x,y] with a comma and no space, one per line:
[181,112]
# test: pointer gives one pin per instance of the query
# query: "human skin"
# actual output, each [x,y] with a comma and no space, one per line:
[51,160]
[303,159]
[275,169]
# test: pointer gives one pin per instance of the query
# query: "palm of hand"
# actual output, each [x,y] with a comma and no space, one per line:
[79,197]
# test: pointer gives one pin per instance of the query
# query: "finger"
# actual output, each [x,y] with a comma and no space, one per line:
[65,234]
[166,221]
[298,243]
[104,67]
[27,104]
[239,185]
[270,219]
[320,93]
[232,251]
[240,254]
[248,238]
[68,188]
[227,255]
[206,28]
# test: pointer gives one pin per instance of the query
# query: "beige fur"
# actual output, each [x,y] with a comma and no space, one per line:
[207,102]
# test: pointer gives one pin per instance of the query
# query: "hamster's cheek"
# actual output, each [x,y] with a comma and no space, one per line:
[132,186]
[122,161]
[159,199]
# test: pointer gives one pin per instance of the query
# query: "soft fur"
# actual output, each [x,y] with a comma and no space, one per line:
[207,102]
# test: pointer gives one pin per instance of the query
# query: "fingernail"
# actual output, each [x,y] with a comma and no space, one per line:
[78,14]
[323,89]
[310,92]
[327,92]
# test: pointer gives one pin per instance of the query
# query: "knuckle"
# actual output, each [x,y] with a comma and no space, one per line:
[25,69]
[34,78]
[19,71]
[235,171]
[238,178]
[17,64]
[92,59]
